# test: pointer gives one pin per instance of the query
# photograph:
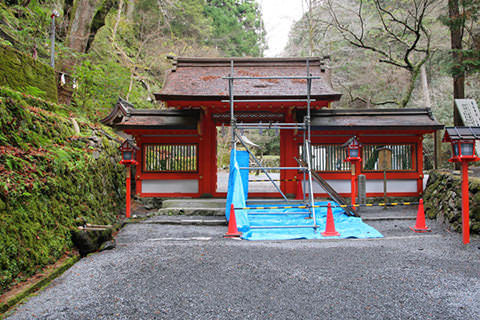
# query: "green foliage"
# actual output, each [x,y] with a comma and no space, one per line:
[237,27]
[99,85]
[467,23]
[188,20]
[127,49]
[25,26]
[49,183]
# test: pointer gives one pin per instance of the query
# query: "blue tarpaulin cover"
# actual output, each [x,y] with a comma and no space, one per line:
[237,184]
[347,226]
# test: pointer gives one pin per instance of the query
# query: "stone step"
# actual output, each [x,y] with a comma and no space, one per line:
[194,203]
[186,220]
[388,218]
[186,211]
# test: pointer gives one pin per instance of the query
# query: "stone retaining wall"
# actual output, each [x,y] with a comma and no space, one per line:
[443,200]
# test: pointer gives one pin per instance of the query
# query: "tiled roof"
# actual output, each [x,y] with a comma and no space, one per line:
[203,79]
[125,116]
[373,119]
[462,133]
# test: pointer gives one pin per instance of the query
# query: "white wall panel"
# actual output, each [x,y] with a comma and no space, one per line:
[376,186]
[170,186]
[373,186]
[340,186]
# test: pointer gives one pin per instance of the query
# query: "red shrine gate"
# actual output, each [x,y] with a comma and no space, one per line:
[177,155]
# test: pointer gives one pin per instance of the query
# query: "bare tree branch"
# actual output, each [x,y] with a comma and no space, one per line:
[404,28]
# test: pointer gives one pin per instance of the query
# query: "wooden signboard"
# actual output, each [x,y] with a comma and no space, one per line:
[470,115]
[385,159]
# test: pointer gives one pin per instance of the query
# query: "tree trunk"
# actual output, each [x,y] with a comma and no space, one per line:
[426,90]
[456,35]
[413,78]
[79,31]
[119,17]
[130,9]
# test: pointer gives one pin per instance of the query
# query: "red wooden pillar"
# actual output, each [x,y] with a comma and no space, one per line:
[288,151]
[207,155]
[420,165]
[353,182]
[138,168]
[213,156]
[465,204]
[128,195]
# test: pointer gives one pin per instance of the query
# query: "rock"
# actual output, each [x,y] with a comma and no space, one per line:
[443,200]
[151,203]
[91,240]
[108,245]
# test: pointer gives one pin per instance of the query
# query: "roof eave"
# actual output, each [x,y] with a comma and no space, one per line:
[176,97]
[378,128]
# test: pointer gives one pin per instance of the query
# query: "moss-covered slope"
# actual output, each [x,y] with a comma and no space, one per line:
[20,72]
[52,179]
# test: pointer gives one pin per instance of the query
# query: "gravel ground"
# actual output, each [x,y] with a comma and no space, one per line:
[191,272]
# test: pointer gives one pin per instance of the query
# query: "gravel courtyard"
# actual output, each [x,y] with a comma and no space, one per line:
[191,272]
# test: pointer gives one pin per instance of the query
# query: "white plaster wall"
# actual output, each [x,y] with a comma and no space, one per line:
[170,186]
[376,186]
[373,186]
[340,186]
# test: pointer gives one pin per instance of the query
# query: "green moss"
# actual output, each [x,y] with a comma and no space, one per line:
[20,72]
[49,184]
[443,200]
[38,285]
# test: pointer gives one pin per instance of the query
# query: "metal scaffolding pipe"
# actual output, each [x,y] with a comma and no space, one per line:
[283,227]
[306,138]
[277,213]
[269,100]
[256,125]
[273,168]
[259,164]
[308,145]
[232,114]
[275,77]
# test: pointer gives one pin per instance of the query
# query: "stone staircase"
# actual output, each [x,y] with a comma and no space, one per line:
[193,207]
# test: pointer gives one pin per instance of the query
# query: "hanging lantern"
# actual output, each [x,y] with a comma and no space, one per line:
[352,149]
[128,149]
[462,140]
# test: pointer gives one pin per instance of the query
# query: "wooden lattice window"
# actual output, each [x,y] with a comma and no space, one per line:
[328,157]
[170,158]
[392,157]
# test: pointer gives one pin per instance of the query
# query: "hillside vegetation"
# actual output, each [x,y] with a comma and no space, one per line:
[52,179]
[390,54]
[119,48]
[58,167]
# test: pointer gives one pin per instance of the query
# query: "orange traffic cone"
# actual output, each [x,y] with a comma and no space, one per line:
[232,225]
[299,195]
[330,227]
[420,225]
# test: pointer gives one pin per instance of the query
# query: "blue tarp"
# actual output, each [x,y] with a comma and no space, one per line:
[237,184]
[347,226]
